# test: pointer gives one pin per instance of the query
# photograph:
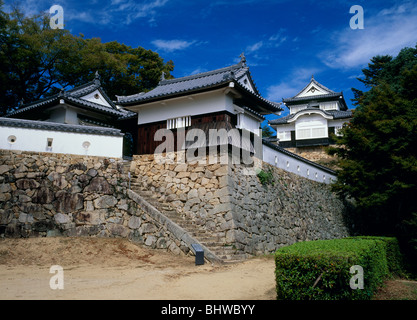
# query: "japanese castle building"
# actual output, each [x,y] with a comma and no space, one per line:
[85,121]
[225,98]
[315,113]
[82,120]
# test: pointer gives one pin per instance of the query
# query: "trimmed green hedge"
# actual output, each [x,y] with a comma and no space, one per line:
[320,270]
[395,259]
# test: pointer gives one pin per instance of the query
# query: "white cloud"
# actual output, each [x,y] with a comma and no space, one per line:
[273,41]
[291,85]
[113,12]
[254,47]
[133,10]
[197,71]
[387,32]
[172,45]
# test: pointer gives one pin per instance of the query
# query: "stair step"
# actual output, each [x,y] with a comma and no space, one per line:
[226,253]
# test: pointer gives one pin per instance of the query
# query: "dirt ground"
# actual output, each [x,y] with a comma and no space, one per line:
[101,268]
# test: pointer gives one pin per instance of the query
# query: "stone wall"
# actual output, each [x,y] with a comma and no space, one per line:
[286,208]
[238,209]
[44,194]
[198,192]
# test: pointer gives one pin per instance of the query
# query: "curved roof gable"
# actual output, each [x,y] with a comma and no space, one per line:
[89,96]
[313,88]
[171,88]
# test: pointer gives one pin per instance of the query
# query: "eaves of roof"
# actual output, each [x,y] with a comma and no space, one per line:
[93,106]
[314,81]
[72,100]
[180,86]
[74,95]
[315,97]
[199,83]
[63,127]
[336,114]
[218,82]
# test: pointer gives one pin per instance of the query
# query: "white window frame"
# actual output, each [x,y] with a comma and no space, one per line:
[180,122]
[308,132]
[313,127]
[284,135]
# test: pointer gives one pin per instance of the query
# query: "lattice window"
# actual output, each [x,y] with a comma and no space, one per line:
[181,122]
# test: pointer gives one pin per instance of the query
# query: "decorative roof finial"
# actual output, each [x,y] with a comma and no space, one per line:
[97,78]
[312,77]
[242,59]
[163,76]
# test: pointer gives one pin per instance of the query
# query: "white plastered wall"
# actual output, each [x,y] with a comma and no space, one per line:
[297,166]
[62,142]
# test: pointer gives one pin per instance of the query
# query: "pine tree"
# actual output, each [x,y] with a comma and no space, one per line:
[378,150]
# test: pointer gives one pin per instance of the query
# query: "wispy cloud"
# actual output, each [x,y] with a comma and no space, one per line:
[172,45]
[386,32]
[106,12]
[291,85]
[254,47]
[133,10]
[272,41]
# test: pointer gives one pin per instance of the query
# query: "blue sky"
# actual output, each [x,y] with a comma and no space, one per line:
[285,41]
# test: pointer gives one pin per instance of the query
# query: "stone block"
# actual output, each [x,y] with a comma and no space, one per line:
[134,222]
[27,184]
[117,230]
[222,192]
[61,218]
[99,185]
[193,193]
[181,167]
[222,171]
[151,241]
[68,202]
[148,228]
[105,202]
[5,168]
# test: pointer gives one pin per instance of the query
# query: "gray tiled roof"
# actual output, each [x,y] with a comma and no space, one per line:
[329,95]
[336,114]
[53,126]
[186,84]
[320,96]
[197,82]
[314,81]
[254,112]
[72,97]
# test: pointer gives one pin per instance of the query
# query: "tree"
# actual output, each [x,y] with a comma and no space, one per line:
[37,61]
[378,149]
[267,132]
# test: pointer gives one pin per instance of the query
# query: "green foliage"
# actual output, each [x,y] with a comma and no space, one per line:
[267,132]
[395,259]
[37,61]
[266,177]
[320,270]
[378,150]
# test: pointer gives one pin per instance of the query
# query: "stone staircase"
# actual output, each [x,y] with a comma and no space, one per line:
[228,254]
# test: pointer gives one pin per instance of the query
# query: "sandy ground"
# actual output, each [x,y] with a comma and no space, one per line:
[98,268]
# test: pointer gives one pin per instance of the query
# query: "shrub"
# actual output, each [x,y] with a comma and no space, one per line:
[266,177]
[395,259]
[320,270]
